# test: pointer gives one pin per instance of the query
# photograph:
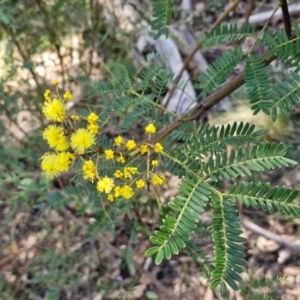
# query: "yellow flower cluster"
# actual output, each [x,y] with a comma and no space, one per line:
[70,142]
[60,139]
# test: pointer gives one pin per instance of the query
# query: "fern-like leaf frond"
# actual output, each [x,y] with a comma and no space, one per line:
[229,256]
[285,94]
[175,232]
[225,33]
[260,195]
[262,157]
[280,45]
[132,117]
[219,70]
[147,76]
[162,12]
[257,83]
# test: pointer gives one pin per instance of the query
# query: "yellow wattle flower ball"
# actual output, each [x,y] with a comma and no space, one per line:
[150,128]
[55,138]
[49,165]
[157,180]
[154,163]
[89,170]
[81,140]
[109,154]
[93,128]
[126,192]
[68,95]
[54,110]
[55,82]
[121,159]
[144,149]
[130,145]
[118,140]
[140,183]
[64,160]
[105,185]
[92,118]
[158,147]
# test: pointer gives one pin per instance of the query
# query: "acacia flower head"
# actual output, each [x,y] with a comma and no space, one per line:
[126,192]
[130,145]
[117,191]
[121,159]
[54,110]
[93,128]
[55,138]
[110,197]
[68,95]
[157,180]
[92,118]
[158,147]
[75,117]
[150,128]
[118,174]
[55,82]
[140,183]
[89,170]
[81,140]
[109,154]
[154,163]
[49,165]
[118,140]
[105,185]
[47,95]
[144,149]
[64,159]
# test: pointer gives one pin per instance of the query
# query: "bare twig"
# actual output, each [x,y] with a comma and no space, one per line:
[292,245]
[286,18]
[262,17]
[198,46]
[211,100]
[249,11]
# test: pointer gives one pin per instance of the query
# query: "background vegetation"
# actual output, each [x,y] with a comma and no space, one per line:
[57,241]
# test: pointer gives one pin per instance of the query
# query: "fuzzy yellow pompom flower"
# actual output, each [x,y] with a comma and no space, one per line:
[93,128]
[55,138]
[131,170]
[55,82]
[47,95]
[144,149]
[105,185]
[75,117]
[64,159]
[54,110]
[68,95]
[89,170]
[121,159]
[154,163]
[150,128]
[118,174]
[130,145]
[158,147]
[117,191]
[126,192]
[81,140]
[49,165]
[118,140]
[140,183]
[92,118]
[110,197]
[109,154]
[157,180]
